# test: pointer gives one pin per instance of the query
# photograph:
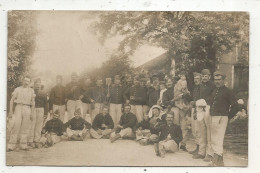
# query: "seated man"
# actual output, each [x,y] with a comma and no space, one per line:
[143,130]
[52,131]
[125,128]
[102,125]
[77,127]
[170,136]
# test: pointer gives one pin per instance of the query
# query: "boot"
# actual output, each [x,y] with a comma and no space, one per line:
[195,151]
[113,139]
[214,160]
[183,147]
[156,149]
[162,151]
[208,158]
[198,156]
[220,161]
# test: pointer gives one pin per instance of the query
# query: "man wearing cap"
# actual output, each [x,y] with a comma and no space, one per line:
[137,99]
[52,131]
[223,106]
[22,106]
[102,125]
[73,91]
[77,128]
[195,96]
[125,128]
[58,98]
[98,97]
[39,114]
[168,94]
[153,94]
[116,98]
[86,94]
[206,89]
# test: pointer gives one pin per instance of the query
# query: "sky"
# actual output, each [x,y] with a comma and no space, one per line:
[65,44]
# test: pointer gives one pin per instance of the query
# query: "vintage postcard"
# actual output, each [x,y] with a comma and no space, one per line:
[127,88]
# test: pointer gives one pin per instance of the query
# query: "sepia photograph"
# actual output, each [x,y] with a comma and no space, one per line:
[127,88]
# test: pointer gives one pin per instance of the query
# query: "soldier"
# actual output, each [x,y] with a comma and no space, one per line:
[58,98]
[223,106]
[153,94]
[73,91]
[115,95]
[23,98]
[39,115]
[168,94]
[86,94]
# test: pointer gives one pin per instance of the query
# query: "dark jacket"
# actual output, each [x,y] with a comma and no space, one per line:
[73,91]
[86,91]
[98,94]
[54,126]
[128,120]
[145,124]
[223,103]
[206,90]
[41,101]
[196,93]
[140,94]
[57,96]
[155,123]
[153,96]
[77,124]
[100,119]
[174,131]
[168,95]
[116,94]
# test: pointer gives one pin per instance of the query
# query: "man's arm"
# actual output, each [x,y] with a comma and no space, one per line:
[131,123]
[234,107]
[87,124]
[110,123]
[11,110]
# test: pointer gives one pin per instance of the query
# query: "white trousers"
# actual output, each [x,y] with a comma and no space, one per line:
[36,125]
[115,112]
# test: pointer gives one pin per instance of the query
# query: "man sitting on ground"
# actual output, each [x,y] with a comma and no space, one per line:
[52,131]
[77,127]
[170,136]
[102,125]
[125,128]
[143,131]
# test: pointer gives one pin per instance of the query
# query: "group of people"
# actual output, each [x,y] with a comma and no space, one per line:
[149,111]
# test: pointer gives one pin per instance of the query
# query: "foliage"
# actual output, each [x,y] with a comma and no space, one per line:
[191,38]
[21,45]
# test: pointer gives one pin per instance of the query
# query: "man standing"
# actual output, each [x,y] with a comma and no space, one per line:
[116,100]
[23,98]
[137,99]
[168,94]
[39,115]
[170,136]
[153,94]
[223,107]
[86,94]
[98,97]
[126,125]
[102,125]
[58,98]
[73,95]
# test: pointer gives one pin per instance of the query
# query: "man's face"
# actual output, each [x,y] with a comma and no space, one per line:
[58,81]
[219,81]
[156,112]
[169,83]
[99,83]
[127,109]
[197,80]
[26,81]
[205,78]
[77,115]
[37,85]
[117,81]
[148,83]
[129,80]
[56,116]
[74,78]
[169,119]
[105,111]
[182,77]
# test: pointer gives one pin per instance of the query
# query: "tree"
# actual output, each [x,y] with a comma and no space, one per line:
[191,38]
[21,45]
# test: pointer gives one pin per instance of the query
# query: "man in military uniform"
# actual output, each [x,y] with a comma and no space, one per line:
[116,98]
[39,115]
[58,98]
[86,94]
[223,106]
[73,91]
[22,112]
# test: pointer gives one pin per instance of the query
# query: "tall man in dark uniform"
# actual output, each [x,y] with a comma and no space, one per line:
[58,98]
[39,115]
[222,107]
[73,91]
[86,93]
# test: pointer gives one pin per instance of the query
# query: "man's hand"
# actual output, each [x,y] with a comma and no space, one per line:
[127,101]
[104,126]
[99,131]
[119,126]
[80,97]
[132,97]
[44,117]
[140,128]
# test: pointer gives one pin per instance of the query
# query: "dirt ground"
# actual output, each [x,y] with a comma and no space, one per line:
[102,153]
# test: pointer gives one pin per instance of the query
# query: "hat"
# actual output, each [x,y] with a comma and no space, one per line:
[77,111]
[57,112]
[201,102]
[58,77]
[205,72]
[219,73]
[150,113]
[195,74]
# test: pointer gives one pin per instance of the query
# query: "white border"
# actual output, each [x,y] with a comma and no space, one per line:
[252,6]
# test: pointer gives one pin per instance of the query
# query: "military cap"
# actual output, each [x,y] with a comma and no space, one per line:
[219,73]
[205,72]
[195,74]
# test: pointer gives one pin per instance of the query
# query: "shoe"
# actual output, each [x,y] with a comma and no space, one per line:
[9,149]
[162,152]
[113,139]
[195,151]
[31,145]
[156,149]
[143,142]
[208,158]
[214,161]
[220,161]
[38,145]
[183,147]
[198,156]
